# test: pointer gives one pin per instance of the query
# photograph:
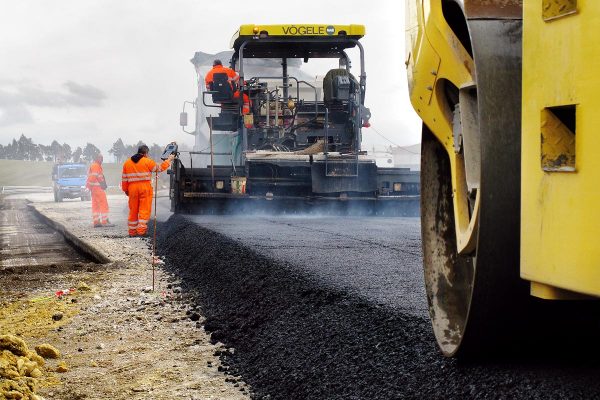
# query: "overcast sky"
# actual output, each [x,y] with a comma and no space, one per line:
[93,71]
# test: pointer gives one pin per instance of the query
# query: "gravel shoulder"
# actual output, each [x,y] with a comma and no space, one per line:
[118,339]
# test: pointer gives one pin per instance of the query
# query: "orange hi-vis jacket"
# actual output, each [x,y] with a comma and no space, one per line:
[136,184]
[141,171]
[233,77]
[231,74]
[95,176]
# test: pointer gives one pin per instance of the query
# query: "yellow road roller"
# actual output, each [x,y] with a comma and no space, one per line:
[510,198]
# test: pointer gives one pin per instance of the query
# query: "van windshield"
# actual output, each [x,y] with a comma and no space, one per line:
[75,172]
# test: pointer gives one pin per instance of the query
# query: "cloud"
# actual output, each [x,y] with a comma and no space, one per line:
[84,95]
[16,99]
[15,115]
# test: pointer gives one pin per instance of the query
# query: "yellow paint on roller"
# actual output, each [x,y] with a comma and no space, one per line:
[427,26]
[548,292]
[560,217]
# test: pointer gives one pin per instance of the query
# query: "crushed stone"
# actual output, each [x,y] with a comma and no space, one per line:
[20,369]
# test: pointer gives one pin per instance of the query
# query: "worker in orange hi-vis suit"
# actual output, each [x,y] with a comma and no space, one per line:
[136,183]
[218,68]
[96,183]
[233,79]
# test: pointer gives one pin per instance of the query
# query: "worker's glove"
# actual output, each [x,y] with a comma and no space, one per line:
[127,194]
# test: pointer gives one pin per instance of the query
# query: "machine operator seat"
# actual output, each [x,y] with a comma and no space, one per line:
[337,85]
[222,87]
[227,120]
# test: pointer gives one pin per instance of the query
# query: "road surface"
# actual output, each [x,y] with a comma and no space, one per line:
[334,308]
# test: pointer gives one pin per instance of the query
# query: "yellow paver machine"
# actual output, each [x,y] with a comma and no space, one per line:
[508,92]
[296,146]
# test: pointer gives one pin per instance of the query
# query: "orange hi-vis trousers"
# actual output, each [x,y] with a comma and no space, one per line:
[99,206]
[140,207]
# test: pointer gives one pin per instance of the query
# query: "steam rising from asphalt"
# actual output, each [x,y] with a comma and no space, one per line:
[306,209]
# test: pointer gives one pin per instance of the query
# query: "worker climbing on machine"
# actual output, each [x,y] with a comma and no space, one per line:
[232,78]
[246,105]
[96,183]
[137,175]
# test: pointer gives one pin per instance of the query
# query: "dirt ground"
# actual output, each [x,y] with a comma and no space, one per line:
[118,339]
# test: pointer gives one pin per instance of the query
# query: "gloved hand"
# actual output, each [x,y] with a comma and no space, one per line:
[127,194]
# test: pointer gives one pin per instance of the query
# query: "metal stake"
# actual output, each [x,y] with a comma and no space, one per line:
[154,235]
[212,161]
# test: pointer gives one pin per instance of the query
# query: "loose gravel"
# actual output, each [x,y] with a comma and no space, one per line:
[292,335]
[118,338]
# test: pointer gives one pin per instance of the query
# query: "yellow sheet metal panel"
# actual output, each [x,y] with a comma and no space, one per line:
[560,212]
[302,30]
[435,55]
[547,292]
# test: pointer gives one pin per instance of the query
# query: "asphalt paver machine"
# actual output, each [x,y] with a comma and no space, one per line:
[286,141]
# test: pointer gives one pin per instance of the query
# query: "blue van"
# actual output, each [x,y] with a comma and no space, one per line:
[69,181]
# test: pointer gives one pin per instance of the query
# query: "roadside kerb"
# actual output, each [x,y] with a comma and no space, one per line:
[79,243]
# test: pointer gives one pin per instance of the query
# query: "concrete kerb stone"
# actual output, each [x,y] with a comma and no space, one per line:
[79,243]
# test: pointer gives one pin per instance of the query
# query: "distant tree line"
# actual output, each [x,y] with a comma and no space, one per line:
[122,151]
[25,149]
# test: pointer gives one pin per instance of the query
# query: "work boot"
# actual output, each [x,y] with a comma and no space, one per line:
[108,225]
[97,225]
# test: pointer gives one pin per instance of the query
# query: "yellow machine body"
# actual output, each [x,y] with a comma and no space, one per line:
[434,53]
[560,194]
[509,96]
[560,223]
[355,31]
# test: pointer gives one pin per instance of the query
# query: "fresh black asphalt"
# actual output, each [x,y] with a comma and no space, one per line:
[334,308]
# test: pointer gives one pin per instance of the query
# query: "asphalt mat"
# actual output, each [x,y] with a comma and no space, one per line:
[294,336]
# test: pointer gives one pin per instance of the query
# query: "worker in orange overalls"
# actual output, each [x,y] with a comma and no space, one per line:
[218,68]
[96,183]
[233,79]
[136,183]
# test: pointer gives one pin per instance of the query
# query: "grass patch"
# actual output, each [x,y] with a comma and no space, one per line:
[38,173]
